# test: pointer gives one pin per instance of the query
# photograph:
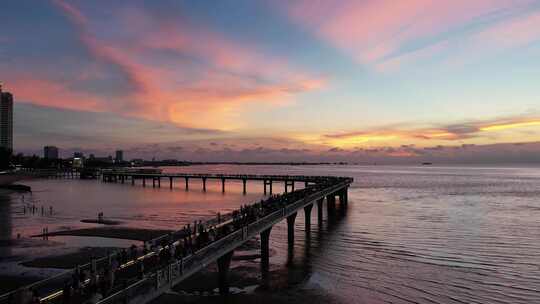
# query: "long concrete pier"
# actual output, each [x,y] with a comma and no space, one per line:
[233,230]
[289,181]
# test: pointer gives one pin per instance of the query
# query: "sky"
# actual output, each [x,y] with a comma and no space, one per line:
[386,81]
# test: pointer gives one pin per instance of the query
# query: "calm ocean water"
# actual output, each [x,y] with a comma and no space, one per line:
[409,235]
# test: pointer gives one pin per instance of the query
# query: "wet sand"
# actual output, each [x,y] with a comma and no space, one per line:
[67,260]
[101,222]
[112,232]
[70,260]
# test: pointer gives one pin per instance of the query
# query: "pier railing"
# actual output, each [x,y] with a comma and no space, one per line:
[298,178]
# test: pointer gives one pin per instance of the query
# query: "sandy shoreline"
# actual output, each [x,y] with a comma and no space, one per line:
[112,232]
[70,260]
[244,274]
[244,277]
[30,269]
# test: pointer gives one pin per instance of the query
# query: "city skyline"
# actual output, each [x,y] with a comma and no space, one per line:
[275,81]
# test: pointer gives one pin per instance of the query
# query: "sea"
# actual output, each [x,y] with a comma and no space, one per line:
[410,234]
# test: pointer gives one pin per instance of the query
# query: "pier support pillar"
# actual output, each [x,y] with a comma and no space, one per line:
[344,197]
[144,182]
[269,183]
[170,182]
[331,203]
[223,267]
[307,217]
[319,210]
[287,184]
[153,182]
[244,182]
[132,181]
[223,185]
[290,230]
[159,182]
[204,184]
[265,251]
[187,184]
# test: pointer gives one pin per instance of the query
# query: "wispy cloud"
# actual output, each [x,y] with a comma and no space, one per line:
[448,133]
[195,78]
[385,33]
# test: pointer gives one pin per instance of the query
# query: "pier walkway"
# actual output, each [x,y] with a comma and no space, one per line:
[146,274]
[289,181]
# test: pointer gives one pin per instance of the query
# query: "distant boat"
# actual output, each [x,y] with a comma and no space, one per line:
[427,164]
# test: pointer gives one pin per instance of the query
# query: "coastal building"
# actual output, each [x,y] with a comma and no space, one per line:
[78,162]
[119,156]
[106,159]
[50,152]
[6,119]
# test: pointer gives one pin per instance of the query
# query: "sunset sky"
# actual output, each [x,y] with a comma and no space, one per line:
[359,81]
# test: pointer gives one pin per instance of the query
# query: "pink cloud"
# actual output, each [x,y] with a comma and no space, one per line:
[513,33]
[235,74]
[52,94]
[74,14]
[373,30]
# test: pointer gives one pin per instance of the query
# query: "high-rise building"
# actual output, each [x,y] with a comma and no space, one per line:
[6,119]
[119,156]
[50,152]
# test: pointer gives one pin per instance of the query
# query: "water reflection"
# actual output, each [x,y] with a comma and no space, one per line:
[309,245]
[410,234]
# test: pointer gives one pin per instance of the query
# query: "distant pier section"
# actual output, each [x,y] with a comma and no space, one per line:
[156,177]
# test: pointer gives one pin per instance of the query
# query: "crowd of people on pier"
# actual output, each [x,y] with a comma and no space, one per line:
[93,282]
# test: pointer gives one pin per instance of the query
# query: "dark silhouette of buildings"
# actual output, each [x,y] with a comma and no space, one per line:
[50,152]
[6,119]
[119,156]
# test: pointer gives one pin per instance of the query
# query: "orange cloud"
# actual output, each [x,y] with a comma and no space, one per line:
[52,94]
[478,131]
[510,125]
[212,96]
